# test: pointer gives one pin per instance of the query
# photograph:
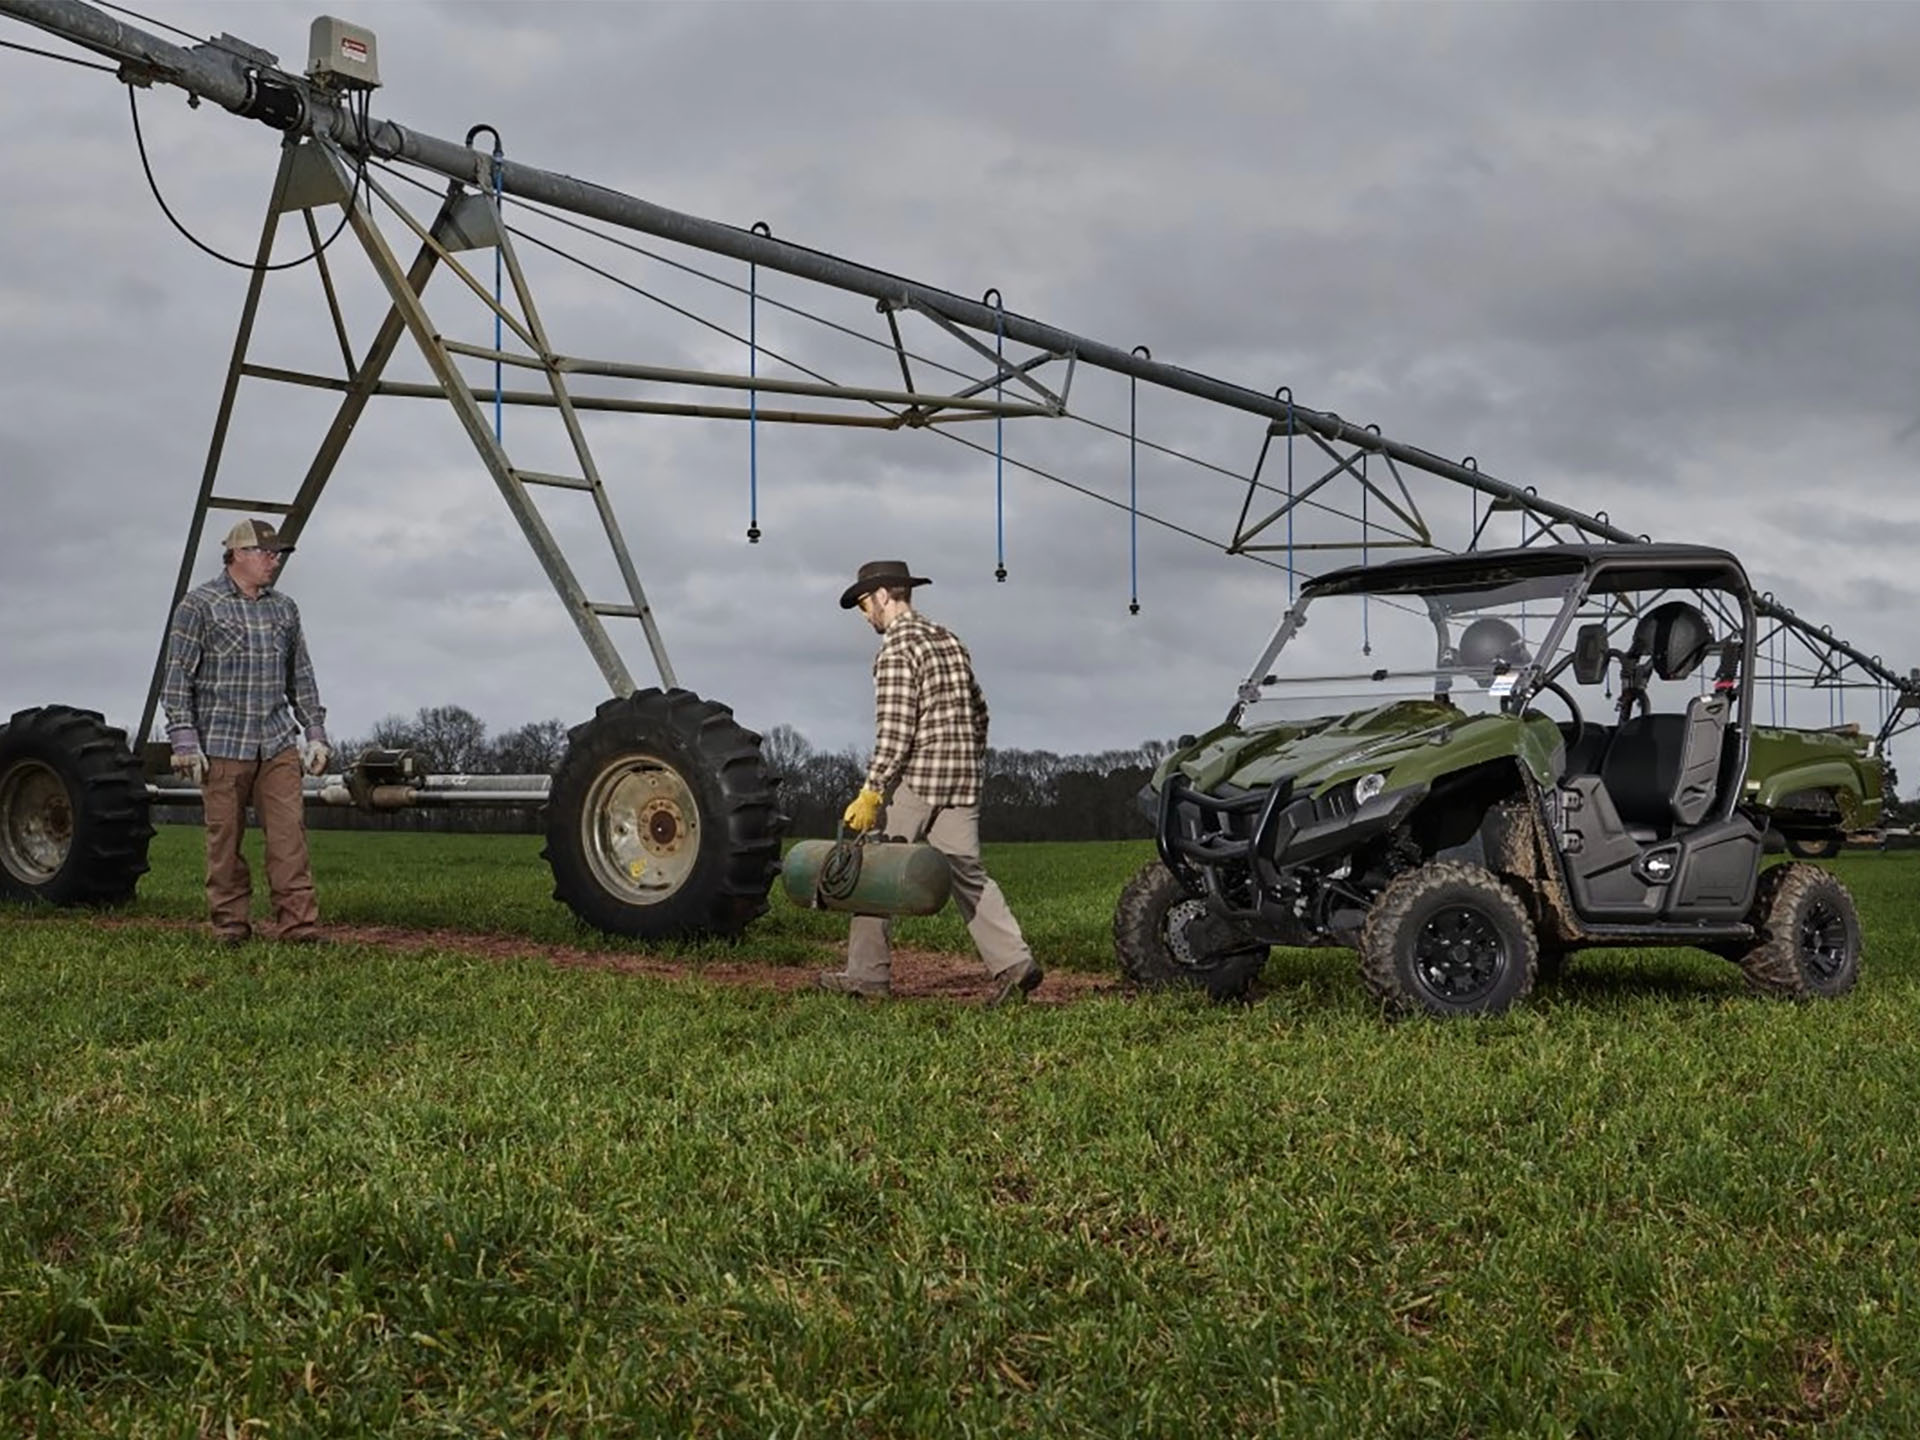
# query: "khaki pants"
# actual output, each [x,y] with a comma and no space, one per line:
[272,787]
[953,830]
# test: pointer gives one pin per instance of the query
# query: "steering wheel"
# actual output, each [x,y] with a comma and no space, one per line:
[1573,710]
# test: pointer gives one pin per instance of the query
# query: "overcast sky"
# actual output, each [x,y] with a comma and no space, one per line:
[1657,260]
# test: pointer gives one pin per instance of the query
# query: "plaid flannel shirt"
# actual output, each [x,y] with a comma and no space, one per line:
[930,719]
[239,685]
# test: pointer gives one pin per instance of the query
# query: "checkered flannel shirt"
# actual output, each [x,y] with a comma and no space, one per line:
[239,685]
[930,719]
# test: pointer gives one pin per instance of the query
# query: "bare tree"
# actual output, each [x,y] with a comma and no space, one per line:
[391,732]
[1152,752]
[786,751]
[451,740]
[533,749]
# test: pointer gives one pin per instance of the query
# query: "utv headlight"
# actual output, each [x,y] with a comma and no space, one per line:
[1368,786]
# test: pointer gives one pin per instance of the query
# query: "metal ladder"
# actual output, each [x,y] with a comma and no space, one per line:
[313,174]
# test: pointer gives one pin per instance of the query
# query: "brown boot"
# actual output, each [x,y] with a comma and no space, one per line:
[841,983]
[1017,983]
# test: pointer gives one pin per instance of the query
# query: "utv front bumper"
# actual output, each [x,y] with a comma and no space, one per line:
[1266,831]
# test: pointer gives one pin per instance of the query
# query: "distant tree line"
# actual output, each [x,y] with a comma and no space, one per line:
[1028,795]
[450,740]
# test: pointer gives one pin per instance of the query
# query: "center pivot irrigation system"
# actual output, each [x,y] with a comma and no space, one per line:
[662,818]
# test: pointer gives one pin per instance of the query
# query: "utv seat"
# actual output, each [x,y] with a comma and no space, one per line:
[1586,748]
[1663,771]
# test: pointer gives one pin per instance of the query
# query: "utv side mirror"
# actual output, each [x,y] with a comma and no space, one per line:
[1590,654]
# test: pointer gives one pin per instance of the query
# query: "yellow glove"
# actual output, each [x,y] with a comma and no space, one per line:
[864,813]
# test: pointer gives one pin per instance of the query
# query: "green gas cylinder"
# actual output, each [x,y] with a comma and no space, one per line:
[867,876]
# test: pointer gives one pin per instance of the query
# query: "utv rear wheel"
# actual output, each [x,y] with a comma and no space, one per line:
[74,822]
[1448,939]
[662,821]
[1815,847]
[1166,938]
[1809,946]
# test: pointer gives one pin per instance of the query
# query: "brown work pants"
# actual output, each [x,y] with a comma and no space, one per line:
[272,787]
[953,830]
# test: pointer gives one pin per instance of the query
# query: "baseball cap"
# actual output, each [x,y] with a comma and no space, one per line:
[257,535]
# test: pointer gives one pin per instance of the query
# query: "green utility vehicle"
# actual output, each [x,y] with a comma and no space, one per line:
[1468,766]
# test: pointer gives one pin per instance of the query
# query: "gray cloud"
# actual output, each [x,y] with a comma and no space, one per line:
[1653,260]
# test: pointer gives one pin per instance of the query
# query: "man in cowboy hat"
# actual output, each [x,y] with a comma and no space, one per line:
[240,696]
[930,739]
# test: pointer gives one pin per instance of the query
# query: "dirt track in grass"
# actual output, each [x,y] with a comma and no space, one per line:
[917,974]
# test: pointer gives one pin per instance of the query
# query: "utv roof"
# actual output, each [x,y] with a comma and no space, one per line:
[1629,567]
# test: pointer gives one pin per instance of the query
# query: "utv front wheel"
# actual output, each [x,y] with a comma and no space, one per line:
[1809,946]
[1448,939]
[1166,939]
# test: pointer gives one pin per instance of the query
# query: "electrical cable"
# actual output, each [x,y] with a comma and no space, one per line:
[1286,566]
[361,121]
[247,57]
[1171,452]
[820,376]
[643,292]
[210,42]
[546,212]
[56,55]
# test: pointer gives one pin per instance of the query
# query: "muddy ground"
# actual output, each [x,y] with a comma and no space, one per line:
[917,974]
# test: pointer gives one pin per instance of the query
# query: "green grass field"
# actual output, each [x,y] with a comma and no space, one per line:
[354,1190]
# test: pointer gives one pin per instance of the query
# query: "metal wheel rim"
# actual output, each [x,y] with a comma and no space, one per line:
[36,822]
[1181,920]
[1823,940]
[640,829]
[1459,954]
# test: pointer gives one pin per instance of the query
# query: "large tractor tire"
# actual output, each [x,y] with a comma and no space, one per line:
[1165,938]
[74,822]
[1448,939]
[1809,945]
[662,821]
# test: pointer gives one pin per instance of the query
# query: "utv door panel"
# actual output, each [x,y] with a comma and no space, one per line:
[1603,860]
[1715,875]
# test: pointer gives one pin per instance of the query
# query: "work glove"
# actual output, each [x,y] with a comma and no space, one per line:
[190,765]
[318,754]
[864,813]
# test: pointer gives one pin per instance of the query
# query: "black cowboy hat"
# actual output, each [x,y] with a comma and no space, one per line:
[892,574]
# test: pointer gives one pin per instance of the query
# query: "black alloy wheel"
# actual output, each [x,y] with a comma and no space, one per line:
[1459,955]
[1448,939]
[1824,945]
[1809,944]
[1166,939]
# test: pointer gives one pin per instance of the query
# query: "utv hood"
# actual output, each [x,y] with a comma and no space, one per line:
[1335,747]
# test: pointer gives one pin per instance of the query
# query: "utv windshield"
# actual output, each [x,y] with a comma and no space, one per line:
[1466,645]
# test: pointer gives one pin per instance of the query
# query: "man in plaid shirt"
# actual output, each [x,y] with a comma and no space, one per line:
[930,739]
[240,694]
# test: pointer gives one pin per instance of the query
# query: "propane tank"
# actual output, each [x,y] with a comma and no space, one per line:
[868,876]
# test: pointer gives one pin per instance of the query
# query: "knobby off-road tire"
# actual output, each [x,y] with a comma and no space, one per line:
[74,822]
[1448,939]
[1165,938]
[1815,847]
[1809,946]
[662,822]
